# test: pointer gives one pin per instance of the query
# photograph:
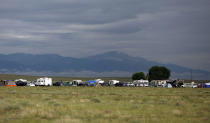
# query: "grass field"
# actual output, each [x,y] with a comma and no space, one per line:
[103,104]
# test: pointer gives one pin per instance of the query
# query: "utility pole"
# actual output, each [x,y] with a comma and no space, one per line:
[191,75]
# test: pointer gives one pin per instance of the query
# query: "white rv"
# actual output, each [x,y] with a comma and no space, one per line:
[141,83]
[44,81]
[113,82]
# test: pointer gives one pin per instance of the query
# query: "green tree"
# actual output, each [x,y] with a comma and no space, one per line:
[159,73]
[138,76]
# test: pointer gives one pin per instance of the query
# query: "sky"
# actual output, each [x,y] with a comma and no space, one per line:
[166,31]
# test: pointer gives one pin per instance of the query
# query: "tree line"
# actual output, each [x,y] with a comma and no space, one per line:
[154,73]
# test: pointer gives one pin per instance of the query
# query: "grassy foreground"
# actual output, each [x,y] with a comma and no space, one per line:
[103,104]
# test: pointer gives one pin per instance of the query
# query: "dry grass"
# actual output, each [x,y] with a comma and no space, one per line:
[104,104]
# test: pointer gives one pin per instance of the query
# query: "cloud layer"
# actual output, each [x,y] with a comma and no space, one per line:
[166,31]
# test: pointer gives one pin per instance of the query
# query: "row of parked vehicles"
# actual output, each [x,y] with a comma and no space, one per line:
[45,81]
[48,82]
[22,82]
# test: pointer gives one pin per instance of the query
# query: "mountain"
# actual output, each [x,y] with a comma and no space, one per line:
[107,64]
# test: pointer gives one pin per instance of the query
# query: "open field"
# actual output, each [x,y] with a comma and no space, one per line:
[103,104]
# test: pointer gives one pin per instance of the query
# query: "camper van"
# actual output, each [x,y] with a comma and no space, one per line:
[44,82]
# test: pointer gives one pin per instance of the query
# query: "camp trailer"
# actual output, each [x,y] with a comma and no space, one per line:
[44,82]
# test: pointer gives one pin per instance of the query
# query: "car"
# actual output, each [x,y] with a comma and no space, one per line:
[194,86]
[30,84]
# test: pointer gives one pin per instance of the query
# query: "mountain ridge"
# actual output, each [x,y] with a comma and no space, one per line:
[105,63]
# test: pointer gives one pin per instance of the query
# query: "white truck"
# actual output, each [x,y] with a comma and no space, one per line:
[189,85]
[99,81]
[44,82]
[113,82]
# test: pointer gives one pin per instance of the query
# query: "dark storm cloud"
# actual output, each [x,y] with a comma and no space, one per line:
[167,31]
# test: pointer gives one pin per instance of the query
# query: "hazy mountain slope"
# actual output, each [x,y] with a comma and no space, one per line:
[103,63]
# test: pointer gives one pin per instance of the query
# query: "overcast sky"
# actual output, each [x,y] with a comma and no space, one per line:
[169,31]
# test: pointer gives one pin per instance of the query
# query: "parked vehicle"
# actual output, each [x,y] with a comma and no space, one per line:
[67,84]
[99,81]
[194,86]
[2,82]
[58,84]
[141,83]
[21,83]
[44,82]
[128,84]
[120,84]
[76,82]
[113,82]
[30,84]
[83,84]
[189,85]
[22,80]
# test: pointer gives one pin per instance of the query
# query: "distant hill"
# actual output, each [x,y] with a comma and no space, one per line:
[107,64]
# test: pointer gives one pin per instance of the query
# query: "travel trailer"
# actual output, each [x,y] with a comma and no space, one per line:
[158,83]
[44,82]
[141,83]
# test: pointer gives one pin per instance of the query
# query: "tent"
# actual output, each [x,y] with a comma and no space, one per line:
[10,83]
[167,85]
[92,82]
[206,85]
